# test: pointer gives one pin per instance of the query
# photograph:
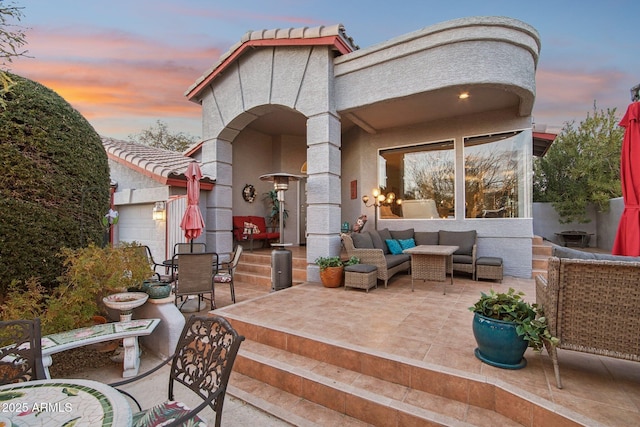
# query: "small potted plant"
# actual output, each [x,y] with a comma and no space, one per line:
[331,271]
[504,325]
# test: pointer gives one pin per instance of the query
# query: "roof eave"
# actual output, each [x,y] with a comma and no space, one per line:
[334,40]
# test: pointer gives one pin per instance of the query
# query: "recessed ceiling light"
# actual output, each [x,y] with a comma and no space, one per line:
[463,95]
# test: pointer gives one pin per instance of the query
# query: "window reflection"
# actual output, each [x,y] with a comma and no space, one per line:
[495,175]
[424,175]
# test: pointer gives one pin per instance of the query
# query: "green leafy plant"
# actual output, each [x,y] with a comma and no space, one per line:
[90,274]
[335,261]
[351,261]
[528,318]
[274,209]
[326,262]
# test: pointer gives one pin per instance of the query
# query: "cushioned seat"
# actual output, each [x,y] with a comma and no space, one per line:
[250,228]
[464,259]
[361,276]
[488,267]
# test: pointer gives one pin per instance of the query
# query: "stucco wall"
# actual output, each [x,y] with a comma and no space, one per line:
[607,223]
[506,238]
[256,154]
[456,53]
[603,225]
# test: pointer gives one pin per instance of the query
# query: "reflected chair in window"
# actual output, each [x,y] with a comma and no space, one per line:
[188,248]
[20,351]
[202,363]
[226,271]
[194,276]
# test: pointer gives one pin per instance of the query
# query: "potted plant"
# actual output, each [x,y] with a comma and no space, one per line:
[274,209]
[332,270]
[504,325]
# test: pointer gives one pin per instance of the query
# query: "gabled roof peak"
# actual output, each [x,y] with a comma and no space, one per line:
[333,35]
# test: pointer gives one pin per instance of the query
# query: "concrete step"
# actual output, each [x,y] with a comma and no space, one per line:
[306,380]
[541,251]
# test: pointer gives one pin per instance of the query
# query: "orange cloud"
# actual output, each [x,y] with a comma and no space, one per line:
[116,75]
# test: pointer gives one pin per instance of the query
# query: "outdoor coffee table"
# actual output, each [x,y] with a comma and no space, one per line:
[431,262]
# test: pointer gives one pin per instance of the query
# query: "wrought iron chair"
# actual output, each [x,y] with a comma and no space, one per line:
[226,271]
[194,276]
[20,351]
[203,361]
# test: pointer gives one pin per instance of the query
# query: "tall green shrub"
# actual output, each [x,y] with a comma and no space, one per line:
[54,187]
[581,167]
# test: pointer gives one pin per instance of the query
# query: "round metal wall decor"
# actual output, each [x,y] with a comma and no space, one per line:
[249,193]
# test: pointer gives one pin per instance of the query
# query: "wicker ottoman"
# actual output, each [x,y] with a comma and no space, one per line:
[488,267]
[361,276]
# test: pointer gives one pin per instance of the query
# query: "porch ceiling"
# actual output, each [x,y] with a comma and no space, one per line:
[407,111]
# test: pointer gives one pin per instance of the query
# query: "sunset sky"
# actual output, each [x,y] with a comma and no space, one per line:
[126,64]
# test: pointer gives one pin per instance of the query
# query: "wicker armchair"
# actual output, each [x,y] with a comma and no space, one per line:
[592,306]
[387,266]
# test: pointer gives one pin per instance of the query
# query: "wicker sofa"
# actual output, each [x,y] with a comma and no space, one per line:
[592,304]
[371,248]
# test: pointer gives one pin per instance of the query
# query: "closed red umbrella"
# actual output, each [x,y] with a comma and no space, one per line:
[628,238]
[192,222]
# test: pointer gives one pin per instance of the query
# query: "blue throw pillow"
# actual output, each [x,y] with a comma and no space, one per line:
[407,243]
[394,246]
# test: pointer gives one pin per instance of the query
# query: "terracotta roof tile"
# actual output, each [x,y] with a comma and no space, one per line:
[162,165]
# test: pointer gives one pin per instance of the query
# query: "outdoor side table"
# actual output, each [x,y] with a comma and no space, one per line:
[361,276]
[489,267]
[432,262]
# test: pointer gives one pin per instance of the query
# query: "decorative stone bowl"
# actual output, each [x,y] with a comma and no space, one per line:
[158,290]
[125,302]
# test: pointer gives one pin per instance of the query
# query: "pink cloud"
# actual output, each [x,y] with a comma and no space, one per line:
[568,94]
[107,75]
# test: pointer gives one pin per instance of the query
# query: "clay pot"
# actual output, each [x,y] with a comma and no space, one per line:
[331,277]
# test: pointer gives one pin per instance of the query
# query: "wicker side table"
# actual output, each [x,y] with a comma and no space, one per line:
[488,267]
[361,276]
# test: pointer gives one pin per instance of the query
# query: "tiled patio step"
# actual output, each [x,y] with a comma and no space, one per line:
[255,268]
[378,388]
[541,251]
[330,395]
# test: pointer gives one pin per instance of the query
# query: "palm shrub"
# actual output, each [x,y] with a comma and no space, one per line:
[54,187]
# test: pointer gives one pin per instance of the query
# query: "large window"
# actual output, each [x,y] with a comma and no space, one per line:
[496,178]
[423,176]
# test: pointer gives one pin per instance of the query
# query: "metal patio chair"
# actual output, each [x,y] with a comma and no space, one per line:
[20,351]
[194,276]
[226,271]
[202,363]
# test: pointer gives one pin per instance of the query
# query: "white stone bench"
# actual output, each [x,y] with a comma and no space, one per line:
[127,331]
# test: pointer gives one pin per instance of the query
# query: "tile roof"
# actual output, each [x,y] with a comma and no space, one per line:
[323,35]
[164,166]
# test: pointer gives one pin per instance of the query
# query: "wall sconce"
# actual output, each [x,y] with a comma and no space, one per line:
[159,211]
[380,199]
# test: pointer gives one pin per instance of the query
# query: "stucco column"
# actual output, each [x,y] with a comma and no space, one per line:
[323,189]
[216,162]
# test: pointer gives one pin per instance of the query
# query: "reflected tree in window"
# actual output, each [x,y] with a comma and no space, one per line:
[494,167]
[424,172]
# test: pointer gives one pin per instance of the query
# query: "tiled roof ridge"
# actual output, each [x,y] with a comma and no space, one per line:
[157,163]
[336,30]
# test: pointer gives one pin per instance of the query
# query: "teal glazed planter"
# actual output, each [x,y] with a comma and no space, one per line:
[498,343]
